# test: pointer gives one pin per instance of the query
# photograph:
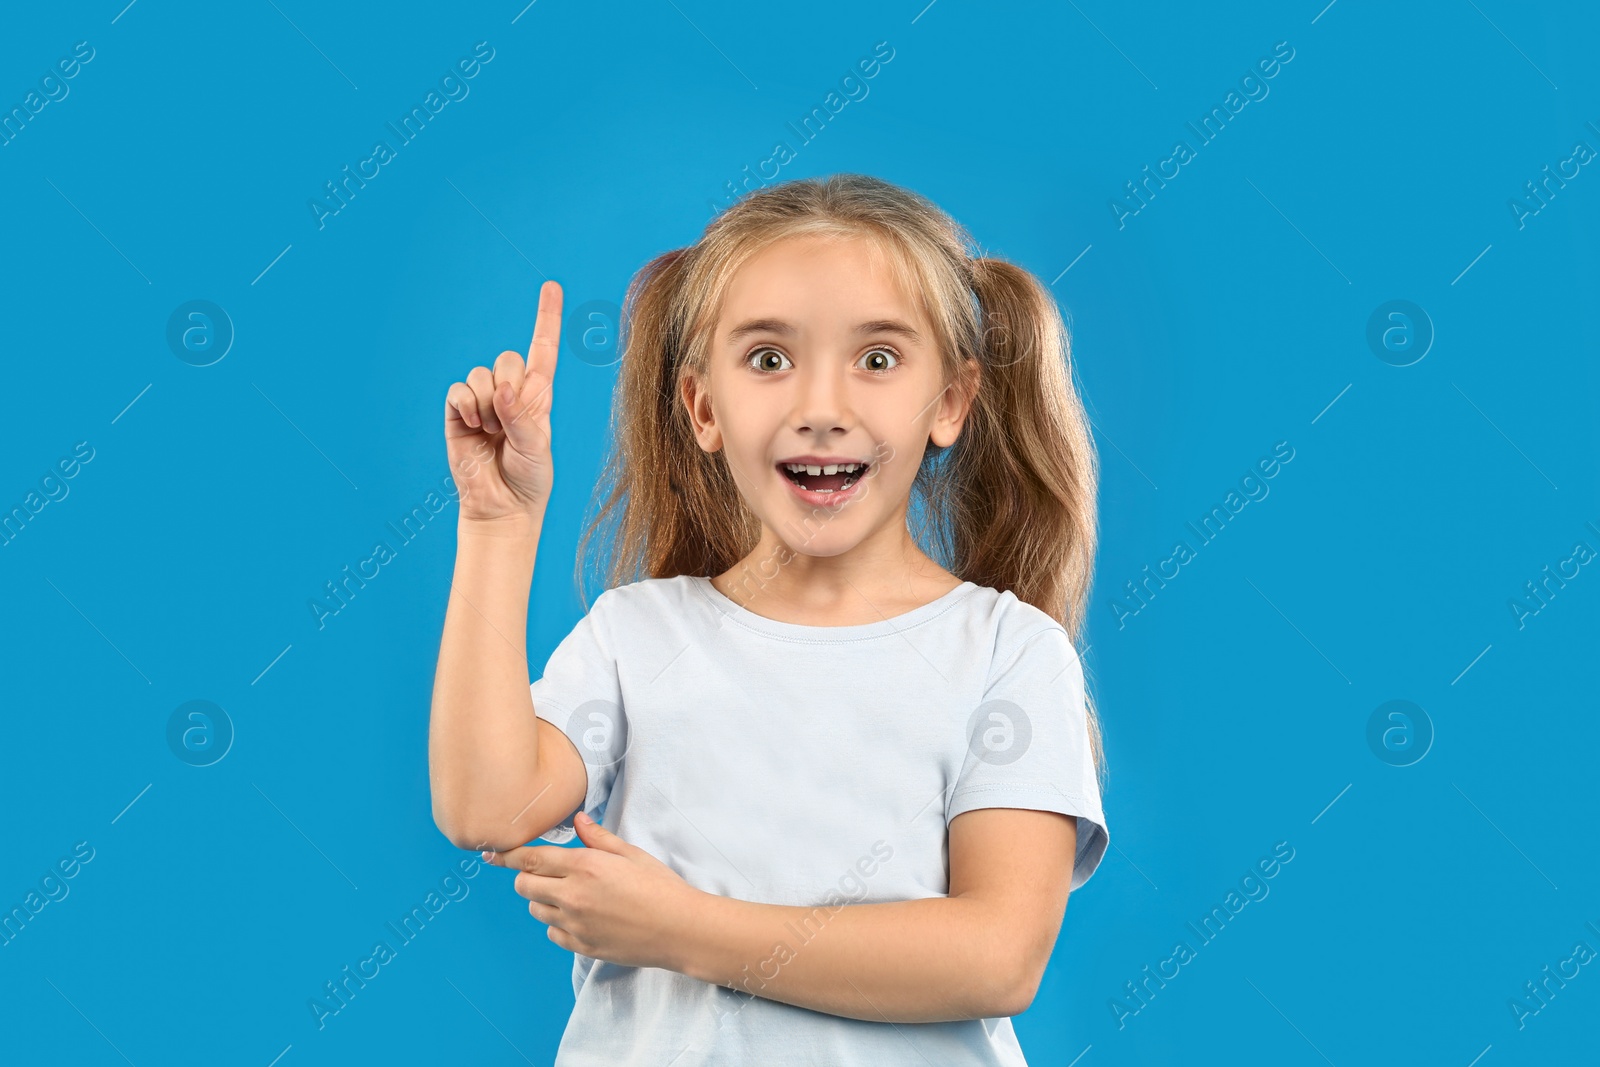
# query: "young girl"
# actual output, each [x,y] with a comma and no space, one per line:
[842,773]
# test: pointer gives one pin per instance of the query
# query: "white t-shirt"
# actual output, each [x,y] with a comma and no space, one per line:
[806,765]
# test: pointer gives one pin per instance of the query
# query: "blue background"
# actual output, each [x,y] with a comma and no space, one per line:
[1228,314]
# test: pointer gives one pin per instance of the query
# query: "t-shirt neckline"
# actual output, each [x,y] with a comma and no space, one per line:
[801,631]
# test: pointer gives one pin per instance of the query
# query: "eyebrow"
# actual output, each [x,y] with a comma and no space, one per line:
[778,326]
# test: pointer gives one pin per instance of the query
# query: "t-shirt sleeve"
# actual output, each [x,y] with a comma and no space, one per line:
[579,693]
[1028,743]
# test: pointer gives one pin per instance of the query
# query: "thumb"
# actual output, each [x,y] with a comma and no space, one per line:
[524,413]
[593,835]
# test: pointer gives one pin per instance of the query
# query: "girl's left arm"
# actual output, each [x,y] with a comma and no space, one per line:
[978,953]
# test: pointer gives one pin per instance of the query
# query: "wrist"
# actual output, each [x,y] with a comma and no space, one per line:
[522,526]
[688,946]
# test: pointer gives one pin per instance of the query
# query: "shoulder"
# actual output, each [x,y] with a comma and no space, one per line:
[1016,629]
[637,614]
[649,590]
[656,598]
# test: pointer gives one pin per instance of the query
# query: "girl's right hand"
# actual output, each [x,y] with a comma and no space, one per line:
[497,426]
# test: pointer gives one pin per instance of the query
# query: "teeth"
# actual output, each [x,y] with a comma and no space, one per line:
[852,472]
[831,468]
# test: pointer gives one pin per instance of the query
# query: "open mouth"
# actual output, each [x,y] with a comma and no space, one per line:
[830,479]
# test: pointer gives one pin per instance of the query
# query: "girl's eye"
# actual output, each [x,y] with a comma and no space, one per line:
[771,360]
[882,360]
[761,359]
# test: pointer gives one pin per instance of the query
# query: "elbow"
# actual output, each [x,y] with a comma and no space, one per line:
[475,829]
[1009,968]
[473,841]
[445,818]
[472,837]
[453,832]
[1023,974]
[1006,987]
[1019,998]
[447,808]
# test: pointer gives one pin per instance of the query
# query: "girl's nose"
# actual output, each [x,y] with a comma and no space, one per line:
[821,404]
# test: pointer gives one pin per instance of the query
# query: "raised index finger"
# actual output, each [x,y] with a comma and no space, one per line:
[546,331]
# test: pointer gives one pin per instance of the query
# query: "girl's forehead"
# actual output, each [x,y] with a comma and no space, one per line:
[820,273]
[867,254]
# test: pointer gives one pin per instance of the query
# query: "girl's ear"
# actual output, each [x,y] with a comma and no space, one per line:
[697,399]
[954,405]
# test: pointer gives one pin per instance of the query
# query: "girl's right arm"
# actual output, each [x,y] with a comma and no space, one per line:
[499,775]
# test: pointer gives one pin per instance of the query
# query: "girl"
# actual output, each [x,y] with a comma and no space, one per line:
[842,775]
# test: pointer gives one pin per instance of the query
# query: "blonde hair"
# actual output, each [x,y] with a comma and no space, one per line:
[1010,505]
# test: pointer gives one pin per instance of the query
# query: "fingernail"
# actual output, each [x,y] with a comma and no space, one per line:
[488,857]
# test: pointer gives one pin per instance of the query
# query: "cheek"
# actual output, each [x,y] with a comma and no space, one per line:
[748,423]
[900,450]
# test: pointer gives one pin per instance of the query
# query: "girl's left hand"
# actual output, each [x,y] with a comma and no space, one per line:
[610,901]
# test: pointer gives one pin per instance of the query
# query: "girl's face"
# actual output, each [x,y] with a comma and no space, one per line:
[819,362]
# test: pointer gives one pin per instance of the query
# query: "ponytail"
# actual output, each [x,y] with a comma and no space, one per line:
[664,506]
[1014,499]
[1024,472]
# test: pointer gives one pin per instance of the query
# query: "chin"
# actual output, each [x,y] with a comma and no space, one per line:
[819,547]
